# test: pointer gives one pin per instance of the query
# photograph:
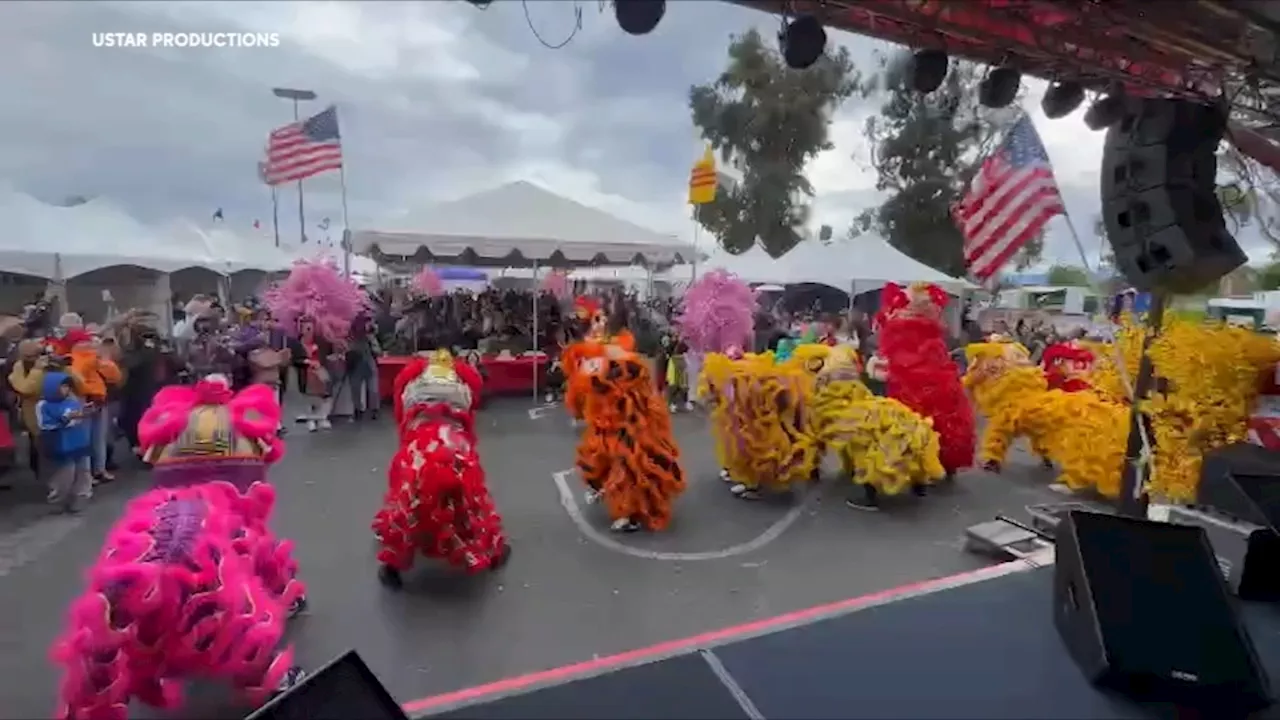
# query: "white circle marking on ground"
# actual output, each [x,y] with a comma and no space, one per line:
[570,503]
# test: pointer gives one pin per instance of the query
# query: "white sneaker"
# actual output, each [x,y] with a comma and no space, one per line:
[688,406]
[591,497]
[624,525]
[671,408]
[311,426]
[326,425]
[548,398]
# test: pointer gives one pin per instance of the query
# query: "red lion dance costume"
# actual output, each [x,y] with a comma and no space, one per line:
[921,373]
[437,502]
[1066,367]
[190,582]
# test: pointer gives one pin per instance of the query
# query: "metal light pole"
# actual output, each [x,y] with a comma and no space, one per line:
[295,96]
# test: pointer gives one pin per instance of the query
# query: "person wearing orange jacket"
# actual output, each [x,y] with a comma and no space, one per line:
[93,374]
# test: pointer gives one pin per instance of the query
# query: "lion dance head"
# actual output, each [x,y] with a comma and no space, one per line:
[204,433]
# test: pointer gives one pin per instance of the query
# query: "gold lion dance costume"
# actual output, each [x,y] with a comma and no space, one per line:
[1082,433]
[627,456]
[761,421]
[883,446]
[1208,377]
[190,582]
[921,373]
[437,502]
[758,420]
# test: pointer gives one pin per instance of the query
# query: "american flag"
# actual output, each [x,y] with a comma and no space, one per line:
[302,149]
[1009,202]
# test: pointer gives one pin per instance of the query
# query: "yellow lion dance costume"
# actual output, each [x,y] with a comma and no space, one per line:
[1082,433]
[885,447]
[1208,379]
[760,422]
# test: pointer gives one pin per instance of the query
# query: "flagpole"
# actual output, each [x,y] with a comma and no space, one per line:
[302,214]
[275,214]
[346,228]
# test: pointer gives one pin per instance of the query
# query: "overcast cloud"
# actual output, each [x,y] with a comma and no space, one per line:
[437,100]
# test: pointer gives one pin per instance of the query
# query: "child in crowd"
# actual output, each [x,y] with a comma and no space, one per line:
[68,442]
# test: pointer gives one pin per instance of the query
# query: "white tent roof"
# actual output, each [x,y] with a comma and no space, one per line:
[232,251]
[47,241]
[519,224]
[862,264]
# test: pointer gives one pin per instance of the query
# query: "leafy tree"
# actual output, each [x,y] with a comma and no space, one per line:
[925,150]
[768,121]
[1269,276]
[1068,275]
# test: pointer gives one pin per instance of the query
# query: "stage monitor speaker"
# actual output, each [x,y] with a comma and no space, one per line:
[342,690]
[1143,609]
[1159,196]
[1242,480]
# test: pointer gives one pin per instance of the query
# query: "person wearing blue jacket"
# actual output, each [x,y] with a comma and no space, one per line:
[68,441]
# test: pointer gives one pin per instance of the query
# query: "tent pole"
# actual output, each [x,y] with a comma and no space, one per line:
[536,293]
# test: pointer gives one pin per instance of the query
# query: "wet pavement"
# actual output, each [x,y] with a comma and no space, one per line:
[565,597]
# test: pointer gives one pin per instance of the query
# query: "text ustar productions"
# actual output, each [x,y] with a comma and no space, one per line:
[186,40]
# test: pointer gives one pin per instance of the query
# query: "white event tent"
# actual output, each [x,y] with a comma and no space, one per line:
[95,248]
[520,225]
[857,265]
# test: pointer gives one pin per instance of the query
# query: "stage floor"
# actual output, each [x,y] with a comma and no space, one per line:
[981,644]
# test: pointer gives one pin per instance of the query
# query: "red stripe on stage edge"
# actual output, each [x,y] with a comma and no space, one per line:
[673,647]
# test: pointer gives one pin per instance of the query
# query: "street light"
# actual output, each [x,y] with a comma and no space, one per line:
[295,96]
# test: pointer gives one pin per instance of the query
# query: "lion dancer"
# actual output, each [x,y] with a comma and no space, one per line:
[191,581]
[920,373]
[627,457]
[437,502]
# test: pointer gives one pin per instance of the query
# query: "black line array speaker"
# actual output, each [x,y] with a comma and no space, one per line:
[345,689]
[1143,609]
[1159,200]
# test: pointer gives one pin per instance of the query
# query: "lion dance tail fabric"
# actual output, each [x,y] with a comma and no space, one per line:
[190,582]
[437,502]
[627,456]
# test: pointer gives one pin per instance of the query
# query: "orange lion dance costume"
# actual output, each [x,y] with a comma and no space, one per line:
[437,502]
[595,332]
[627,456]
[921,373]
[190,582]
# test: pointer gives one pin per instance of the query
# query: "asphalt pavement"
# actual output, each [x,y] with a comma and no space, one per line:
[572,590]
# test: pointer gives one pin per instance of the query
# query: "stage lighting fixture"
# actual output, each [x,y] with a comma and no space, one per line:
[1062,99]
[1000,87]
[928,70]
[1104,112]
[639,17]
[802,41]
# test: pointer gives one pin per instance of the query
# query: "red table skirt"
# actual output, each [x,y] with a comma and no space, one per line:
[503,375]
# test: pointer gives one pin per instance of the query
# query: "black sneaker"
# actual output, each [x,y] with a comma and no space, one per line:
[298,607]
[390,577]
[920,489]
[862,504]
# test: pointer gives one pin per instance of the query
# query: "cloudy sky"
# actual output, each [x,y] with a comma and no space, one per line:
[437,100]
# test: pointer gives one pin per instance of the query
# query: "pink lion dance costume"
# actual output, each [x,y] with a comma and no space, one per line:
[190,582]
[437,502]
[921,373]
